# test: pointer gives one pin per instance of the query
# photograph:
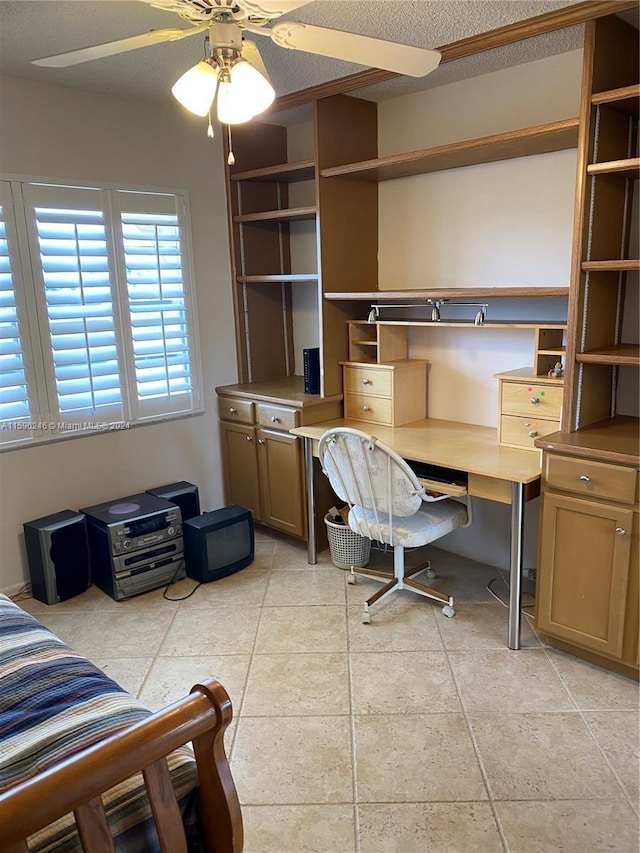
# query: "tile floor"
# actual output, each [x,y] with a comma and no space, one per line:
[415,733]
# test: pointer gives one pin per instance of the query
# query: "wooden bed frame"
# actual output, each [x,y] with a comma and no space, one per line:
[75,785]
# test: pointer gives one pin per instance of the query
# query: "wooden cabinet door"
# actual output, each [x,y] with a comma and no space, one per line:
[281,481]
[240,461]
[583,572]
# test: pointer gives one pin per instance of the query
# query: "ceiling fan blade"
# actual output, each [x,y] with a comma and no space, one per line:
[270,8]
[99,51]
[251,53]
[374,53]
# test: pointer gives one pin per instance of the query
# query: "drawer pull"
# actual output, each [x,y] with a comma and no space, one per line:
[534,401]
[365,408]
[366,382]
[261,441]
[233,411]
[584,479]
[533,433]
[275,420]
[620,531]
[249,438]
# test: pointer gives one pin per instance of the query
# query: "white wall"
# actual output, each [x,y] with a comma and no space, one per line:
[498,224]
[69,135]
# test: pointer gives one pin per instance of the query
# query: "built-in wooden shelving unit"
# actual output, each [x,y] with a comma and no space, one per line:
[288,214]
[449,293]
[625,99]
[616,264]
[541,139]
[268,279]
[629,168]
[301,170]
[620,354]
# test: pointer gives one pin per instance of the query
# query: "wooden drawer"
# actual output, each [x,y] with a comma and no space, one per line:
[594,479]
[376,410]
[234,409]
[368,380]
[528,398]
[522,432]
[277,417]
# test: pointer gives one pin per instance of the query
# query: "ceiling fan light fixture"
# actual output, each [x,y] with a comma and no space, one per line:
[196,89]
[243,93]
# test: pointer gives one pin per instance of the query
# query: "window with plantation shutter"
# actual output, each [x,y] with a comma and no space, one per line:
[101,279]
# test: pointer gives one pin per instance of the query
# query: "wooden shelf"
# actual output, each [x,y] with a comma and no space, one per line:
[627,168]
[469,324]
[626,99]
[449,293]
[289,214]
[267,279]
[541,139]
[558,351]
[623,354]
[302,170]
[605,266]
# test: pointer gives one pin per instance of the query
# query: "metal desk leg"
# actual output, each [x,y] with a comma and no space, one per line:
[312,556]
[515,568]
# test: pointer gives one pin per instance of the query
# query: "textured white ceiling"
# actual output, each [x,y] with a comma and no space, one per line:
[30,29]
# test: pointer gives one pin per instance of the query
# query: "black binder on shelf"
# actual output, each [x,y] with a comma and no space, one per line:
[311,360]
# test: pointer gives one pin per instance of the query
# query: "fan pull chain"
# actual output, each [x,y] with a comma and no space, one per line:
[210,133]
[230,159]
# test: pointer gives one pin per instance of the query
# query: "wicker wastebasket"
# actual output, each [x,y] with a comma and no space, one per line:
[347,547]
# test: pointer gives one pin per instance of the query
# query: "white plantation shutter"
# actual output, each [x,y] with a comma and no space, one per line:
[15,386]
[70,236]
[155,268]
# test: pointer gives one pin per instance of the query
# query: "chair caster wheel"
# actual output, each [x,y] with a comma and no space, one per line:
[366,617]
[430,573]
[448,611]
[351,578]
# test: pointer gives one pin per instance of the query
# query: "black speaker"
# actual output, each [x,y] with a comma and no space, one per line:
[183,494]
[311,365]
[58,556]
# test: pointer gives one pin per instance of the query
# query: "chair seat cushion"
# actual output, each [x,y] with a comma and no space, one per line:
[432,521]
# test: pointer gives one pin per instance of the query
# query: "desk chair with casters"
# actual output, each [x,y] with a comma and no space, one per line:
[388,504]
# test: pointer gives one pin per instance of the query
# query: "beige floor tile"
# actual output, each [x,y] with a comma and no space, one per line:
[262,555]
[482,626]
[569,826]
[127,672]
[293,760]
[515,682]
[295,629]
[89,600]
[617,735]
[416,758]
[289,556]
[297,684]
[428,828]
[593,687]
[542,757]
[402,683]
[152,600]
[66,626]
[245,588]
[172,678]
[402,623]
[121,634]
[219,630]
[299,829]
[315,586]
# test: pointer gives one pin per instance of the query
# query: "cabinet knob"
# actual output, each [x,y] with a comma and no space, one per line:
[275,420]
[232,410]
[584,479]
[534,401]
[249,437]
[261,441]
[366,382]
[620,531]
[365,408]
[533,433]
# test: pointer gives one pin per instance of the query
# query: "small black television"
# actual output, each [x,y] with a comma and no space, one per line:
[218,543]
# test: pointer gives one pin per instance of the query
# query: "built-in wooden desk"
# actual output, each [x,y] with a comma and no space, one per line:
[495,472]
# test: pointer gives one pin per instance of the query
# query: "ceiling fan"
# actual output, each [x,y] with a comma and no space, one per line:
[232,66]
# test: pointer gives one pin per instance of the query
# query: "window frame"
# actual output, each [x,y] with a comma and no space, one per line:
[31,308]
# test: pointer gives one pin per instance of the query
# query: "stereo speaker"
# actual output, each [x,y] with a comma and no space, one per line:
[183,494]
[58,556]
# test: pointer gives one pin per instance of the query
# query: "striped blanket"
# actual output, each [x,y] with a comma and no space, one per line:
[55,703]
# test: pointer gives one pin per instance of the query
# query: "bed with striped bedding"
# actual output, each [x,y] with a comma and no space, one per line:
[55,703]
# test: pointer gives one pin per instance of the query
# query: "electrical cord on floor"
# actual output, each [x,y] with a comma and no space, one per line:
[523,608]
[173,581]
